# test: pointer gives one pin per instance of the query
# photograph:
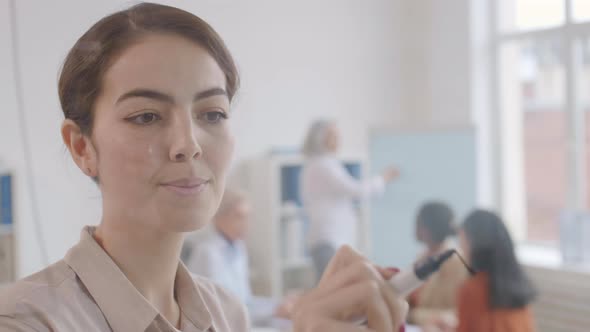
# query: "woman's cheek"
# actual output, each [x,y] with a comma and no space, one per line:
[126,156]
[220,149]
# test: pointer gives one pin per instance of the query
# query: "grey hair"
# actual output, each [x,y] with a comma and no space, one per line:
[315,141]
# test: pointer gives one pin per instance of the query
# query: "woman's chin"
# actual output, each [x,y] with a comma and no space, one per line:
[188,222]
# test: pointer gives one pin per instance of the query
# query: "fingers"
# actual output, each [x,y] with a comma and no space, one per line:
[357,300]
[378,313]
[387,272]
[361,269]
[351,288]
[354,272]
[399,314]
[343,257]
[398,307]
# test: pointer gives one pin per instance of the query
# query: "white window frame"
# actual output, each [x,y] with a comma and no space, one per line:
[510,194]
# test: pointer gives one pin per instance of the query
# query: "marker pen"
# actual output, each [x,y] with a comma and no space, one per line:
[410,279]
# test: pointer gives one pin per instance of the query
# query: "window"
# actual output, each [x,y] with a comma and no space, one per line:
[581,10]
[520,15]
[543,89]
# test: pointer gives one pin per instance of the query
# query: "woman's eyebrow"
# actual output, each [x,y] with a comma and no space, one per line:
[146,93]
[210,93]
[161,96]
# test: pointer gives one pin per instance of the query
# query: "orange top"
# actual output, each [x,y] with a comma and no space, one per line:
[475,314]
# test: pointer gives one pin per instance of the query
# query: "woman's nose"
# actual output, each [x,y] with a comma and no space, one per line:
[184,144]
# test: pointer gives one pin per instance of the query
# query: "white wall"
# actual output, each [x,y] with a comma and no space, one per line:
[299,60]
[445,72]
[436,62]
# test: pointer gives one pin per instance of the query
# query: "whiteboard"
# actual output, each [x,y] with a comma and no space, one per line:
[439,164]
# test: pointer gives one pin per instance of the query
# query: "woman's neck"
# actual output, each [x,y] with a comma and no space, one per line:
[436,248]
[148,257]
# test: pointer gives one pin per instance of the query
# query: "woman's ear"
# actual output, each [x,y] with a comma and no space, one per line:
[80,147]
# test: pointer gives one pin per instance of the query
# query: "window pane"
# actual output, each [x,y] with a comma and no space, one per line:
[517,15]
[582,51]
[581,10]
[582,71]
[535,129]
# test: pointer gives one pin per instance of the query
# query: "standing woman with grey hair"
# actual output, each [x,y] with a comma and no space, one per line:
[328,191]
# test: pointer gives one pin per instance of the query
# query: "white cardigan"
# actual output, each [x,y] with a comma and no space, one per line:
[328,192]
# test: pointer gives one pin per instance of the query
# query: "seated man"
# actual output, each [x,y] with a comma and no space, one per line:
[219,253]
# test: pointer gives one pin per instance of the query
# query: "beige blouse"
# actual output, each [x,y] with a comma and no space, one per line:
[438,295]
[86,291]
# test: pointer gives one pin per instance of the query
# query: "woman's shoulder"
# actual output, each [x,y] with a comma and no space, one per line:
[476,282]
[475,289]
[35,287]
[454,269]
[42,299]
[222,304]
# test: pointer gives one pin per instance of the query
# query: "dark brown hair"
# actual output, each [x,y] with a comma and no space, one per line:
[492,251]
[438,219]
[85,65]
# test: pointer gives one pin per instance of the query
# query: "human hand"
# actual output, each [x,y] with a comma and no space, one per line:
[351,287]
[285,308]
[390,173]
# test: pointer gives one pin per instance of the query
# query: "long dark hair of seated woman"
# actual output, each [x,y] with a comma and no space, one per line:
[492,251]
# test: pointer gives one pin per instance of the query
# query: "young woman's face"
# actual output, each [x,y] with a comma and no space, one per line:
[163,144]
[422,233]
[332,139]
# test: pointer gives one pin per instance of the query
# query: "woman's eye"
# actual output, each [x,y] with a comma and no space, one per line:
[214,117]
[145,118]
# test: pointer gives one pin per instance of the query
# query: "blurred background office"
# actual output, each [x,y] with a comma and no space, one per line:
[478,103]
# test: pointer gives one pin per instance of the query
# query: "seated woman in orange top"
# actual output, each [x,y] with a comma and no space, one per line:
[497,297]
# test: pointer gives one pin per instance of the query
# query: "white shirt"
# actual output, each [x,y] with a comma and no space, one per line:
[328,192]
[225,262]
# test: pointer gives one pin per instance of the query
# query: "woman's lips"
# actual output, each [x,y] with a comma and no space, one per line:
[186,186]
